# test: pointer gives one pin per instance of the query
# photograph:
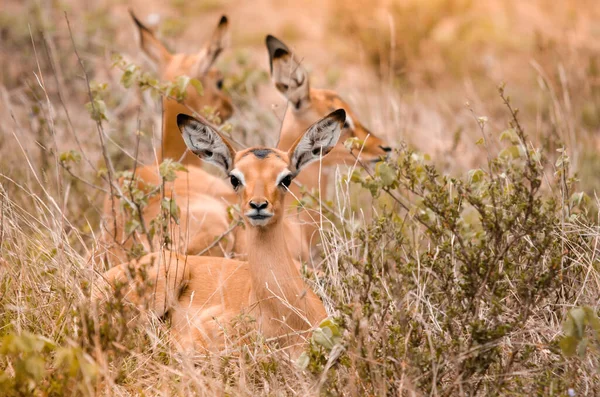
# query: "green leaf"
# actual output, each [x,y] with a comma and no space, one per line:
[97,110]
[593,320]
[578,198]
[322,337]
[510,135]
[353,143]
[302,361]
[174,210]
[168,169]
[476,176]
[35,366]
[181,84]
[327,335]
[386,174]
[131,226]
[582,347]
[71,156]
[512,152]
[356,177]
[127,79]
[575,323]
[198,86]
[568,345]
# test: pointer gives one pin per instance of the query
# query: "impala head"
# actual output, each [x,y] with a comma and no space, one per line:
[308,105]
[261,176]
[197,65]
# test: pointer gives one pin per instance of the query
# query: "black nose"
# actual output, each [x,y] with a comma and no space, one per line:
[259,206]
[386,149]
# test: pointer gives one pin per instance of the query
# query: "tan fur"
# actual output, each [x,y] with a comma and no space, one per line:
[306,105]
[300,226]
[203,294]
[197,65]
[202,198]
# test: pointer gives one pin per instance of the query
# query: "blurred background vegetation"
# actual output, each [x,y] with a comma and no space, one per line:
[412,69]
[421,74]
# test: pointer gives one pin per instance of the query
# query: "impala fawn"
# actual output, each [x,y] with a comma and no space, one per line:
[199,194]
[203,294]
[307,106]
[198,66]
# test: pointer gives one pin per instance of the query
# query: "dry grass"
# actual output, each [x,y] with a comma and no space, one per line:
[408,68]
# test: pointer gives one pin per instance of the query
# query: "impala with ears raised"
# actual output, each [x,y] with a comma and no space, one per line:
[305,106]
[198,193]
[203,294]
[199,66]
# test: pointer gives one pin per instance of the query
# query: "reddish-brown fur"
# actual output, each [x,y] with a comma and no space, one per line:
[203,294]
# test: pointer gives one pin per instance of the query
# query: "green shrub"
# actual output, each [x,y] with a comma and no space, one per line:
[454,284]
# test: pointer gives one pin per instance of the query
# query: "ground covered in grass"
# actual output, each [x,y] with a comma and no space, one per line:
[466,263]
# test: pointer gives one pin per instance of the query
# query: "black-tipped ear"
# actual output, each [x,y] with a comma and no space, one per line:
[319,139]
[289,76]
[276,48]
[338,115]
[206,142]
[137,21]
[215,46]
[151,46]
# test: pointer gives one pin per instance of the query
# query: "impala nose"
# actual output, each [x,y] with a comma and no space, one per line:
[386,149]
[259,205]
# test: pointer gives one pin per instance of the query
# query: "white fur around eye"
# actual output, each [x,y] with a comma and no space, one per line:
[238,174]
[281,176]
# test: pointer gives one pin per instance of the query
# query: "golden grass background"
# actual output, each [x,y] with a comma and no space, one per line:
[418,72]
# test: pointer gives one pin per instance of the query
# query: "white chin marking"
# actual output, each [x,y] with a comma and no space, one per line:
[258,222]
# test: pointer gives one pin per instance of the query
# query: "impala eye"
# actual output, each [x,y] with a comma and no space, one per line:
[234,182]
[285,182]
[220,84]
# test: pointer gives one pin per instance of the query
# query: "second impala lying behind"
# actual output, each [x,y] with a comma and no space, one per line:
[199,66]
[198,193]
[203,294]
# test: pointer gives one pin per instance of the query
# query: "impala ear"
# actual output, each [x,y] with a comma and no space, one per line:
[206,142]
[290,78]
[152,47]
[318,140]
[215,46]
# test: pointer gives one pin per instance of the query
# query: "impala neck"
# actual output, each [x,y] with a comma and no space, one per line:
[173,146]
[276,282]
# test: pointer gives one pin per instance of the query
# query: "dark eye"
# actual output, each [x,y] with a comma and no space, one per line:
[234,181]
[220,84]
[285,182]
